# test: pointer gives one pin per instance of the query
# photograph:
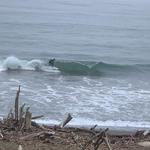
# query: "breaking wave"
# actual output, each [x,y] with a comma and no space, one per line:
[13,63]
[72,67]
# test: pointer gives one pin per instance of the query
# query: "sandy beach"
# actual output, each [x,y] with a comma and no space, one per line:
[69,139]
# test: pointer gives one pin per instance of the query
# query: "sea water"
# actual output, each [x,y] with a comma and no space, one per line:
[102,68]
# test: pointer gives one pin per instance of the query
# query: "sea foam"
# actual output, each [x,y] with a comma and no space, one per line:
[13,63]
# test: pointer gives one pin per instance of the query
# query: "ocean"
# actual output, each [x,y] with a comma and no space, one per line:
[102,66]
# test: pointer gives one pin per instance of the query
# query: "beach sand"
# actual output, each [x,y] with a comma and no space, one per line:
[70,139]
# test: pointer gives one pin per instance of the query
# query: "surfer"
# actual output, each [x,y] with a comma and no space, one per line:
[51,62]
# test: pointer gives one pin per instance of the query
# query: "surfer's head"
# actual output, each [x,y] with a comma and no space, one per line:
[52,61]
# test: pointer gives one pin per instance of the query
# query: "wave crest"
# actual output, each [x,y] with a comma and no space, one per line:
[93,68]
[73,67]
[13,63]
[36,64]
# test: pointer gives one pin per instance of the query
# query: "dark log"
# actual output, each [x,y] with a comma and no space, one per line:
[102,137]
[85,130]
[17,105]
[22,118]
[34,124]
[27,109]
[75,138]
[97,142]
[37,117]
[37,134]
[22,113]
[68,119]
[10,114]
[93,128]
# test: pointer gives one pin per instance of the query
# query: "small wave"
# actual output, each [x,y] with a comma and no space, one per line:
[97,69]
[72,67]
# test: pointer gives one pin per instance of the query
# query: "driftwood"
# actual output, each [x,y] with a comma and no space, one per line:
[17,105]
[98,139]
[107,142]
[93,128]
[85,130]
[34,124]
[67,119]
[142,133]
[37,117]
[102,137]
[146,132]
[10,114]
[22,113]
[20,119]
[75,139]
[91,140]
[28,117]
[36,135]
[1,135]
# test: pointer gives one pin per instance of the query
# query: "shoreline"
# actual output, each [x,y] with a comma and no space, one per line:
[19,131]
[71,138]
[112,129]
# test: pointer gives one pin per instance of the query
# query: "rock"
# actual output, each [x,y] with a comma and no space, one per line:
[20,147]
[1,135]
[146,132]
[144,144]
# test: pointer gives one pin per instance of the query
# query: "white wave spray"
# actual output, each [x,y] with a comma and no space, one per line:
[13,63]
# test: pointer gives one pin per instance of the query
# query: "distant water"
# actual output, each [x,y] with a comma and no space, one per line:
[102,50]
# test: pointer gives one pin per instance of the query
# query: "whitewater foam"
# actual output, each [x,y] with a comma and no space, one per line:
[13,63]
[108,123]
